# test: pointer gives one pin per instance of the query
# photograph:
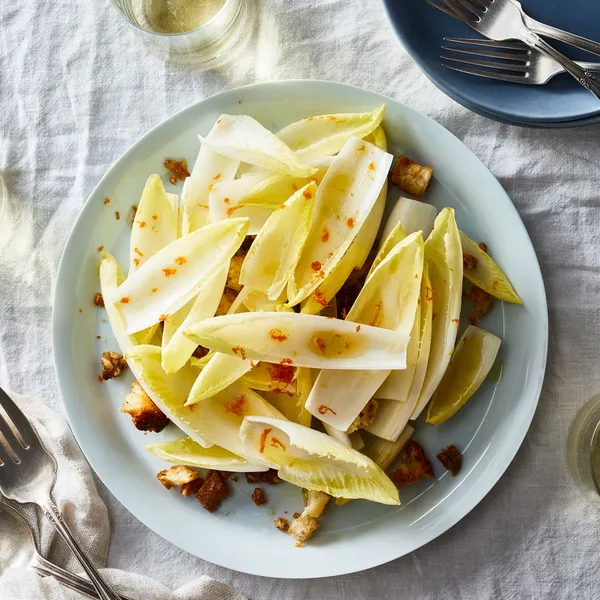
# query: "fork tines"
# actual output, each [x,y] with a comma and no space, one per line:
[508,58]
[16,433]
[441,7]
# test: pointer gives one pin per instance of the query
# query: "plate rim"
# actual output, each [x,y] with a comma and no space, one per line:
[478,107]
[468,504]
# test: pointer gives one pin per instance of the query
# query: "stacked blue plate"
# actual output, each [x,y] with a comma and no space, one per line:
[560,103]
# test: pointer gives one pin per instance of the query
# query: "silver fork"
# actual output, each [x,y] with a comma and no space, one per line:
[28,474]
[43,567]
[501,20]
[540,28]
[525,65]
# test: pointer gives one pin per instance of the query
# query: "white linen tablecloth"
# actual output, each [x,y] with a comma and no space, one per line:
[77,89]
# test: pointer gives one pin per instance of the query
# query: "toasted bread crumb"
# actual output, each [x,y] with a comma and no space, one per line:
[214,490]
[113,364]
[188,481]
[411,177]
[451,458]
[269,476]
[281,524]
[145,415]
[258,497]
[414,466]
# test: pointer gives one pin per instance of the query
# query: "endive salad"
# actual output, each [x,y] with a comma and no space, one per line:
[264,317]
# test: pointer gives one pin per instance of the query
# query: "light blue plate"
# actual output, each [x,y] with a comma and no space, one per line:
[359,535]
[421,28]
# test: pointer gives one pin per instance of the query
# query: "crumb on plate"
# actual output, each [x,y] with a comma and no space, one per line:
[145,415]
[113,364]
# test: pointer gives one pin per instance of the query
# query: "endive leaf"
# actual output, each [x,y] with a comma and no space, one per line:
[395,236]
[443,254]
[359,249]
[168,392]
[186,451]
[155,224]
[209,169]
[111,277]
[302,340]
[486,274]
[241,137]
[257,195]
[354,258]
[315,461]
[171,277]
[398,383]
[176,347]
[219,417]
[389,299]
[286,404]
[304,381]
[406,385]
[276,250]
[356,440]
[275,188]
[291,403]
[270,377]
[378,137]
[174,203]
[255,300]
[342,204]
[336,434]
[225,201]
[214,421]
[472,360]
[200,363]
[325,135]
[218,373]
[384,452]
[412,215]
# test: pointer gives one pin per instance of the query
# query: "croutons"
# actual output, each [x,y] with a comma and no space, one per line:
[411,177]
[188,481]
[414,466]
[269,476]
[303,528]
[258,497]
[451,458]
[281,524]
[226,301]
[146,416]
[482,302]
[213,492]
[365,417]
[235,267]
[113,364]
[304,525]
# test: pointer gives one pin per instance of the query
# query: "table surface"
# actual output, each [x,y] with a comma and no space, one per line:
[78,89]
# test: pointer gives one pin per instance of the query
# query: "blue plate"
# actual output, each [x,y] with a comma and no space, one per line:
[421,29]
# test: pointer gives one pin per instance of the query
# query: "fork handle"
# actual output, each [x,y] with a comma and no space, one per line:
[45,568]
[562,36]
[586,78]
[55,517]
